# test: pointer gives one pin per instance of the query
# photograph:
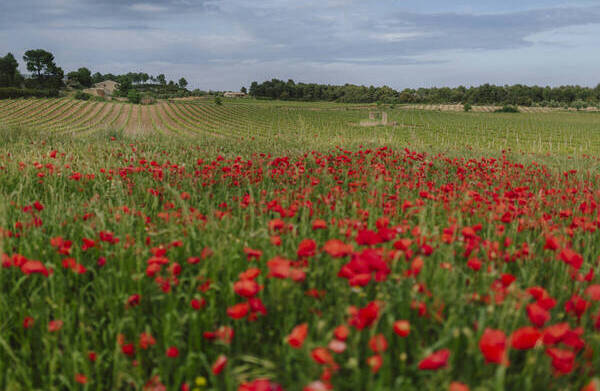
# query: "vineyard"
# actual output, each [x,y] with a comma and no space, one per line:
[269,246]
[290,124]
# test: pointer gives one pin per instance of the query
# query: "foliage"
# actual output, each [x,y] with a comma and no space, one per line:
[45,72]
[83,76]
[218,101]
[467,107]
[485,94]
[13,92]
[9,73]
[134,97]
[82,95]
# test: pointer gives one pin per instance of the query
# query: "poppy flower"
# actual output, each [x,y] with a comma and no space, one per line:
[337,346]
[375,362]
[172,352]
[321,356]
[337,249]
[538,316]
[30,267]
[28,322]
[219,364]
[133,300]
[365,317]
[146,340]
[341,332]
[306,248]
[436,360]
[562,360]
[378,343]
[525,338]
[297,336]
[55,325]
[128,349]
[493,346]
[315,386]
[238,311]
[402,327]
[81,378]
[458,386]
[198,304]
[246,288]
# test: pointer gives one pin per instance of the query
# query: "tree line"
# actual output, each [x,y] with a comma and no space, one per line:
[45,74]
[485,94]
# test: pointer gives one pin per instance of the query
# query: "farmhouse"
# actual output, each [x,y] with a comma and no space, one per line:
[231,94]
[104,88]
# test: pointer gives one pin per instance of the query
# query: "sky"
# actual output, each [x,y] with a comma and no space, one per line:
[226,44]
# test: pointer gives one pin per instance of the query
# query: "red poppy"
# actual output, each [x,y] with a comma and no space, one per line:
[436,360]
[525,338]
[219,364]
[321,356]
[28,322]
[493,346]
[55,325]
[457,386]
[297,336]
[172,352]
[375,362]
[337,249]
[238,311]
[198,304]
[378,343]
[562,360]
[365,317]
[402,327]
[146,340]
[81,378]
[538,316]
[306,248]
[341,332]
[30,267]
[246,288]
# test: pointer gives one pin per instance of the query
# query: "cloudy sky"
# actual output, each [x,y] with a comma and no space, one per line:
[224,44]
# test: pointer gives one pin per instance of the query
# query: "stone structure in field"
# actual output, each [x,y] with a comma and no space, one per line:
[377,118]
[104,88]
[231,94]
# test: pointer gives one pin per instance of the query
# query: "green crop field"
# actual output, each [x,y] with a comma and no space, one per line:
[266,245]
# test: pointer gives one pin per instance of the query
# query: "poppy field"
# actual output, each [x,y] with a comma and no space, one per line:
[308,256]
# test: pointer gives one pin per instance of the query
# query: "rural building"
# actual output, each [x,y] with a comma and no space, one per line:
[104,88]
[230,94]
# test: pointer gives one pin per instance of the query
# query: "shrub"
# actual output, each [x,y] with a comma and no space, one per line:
[13,93]
[467,107]
[218,101]
[134,97]
[82,95]
[508,109]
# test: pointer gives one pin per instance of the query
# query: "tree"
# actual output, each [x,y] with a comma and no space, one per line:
[124,85]
[161,79]
[41,63]
[183,83]
[134,97]
[9,74]
[83,76]
[243,90]
[97,78]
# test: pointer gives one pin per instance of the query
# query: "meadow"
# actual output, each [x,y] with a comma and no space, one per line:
[260,245]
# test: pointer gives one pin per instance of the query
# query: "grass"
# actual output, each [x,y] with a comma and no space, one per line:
[217,193]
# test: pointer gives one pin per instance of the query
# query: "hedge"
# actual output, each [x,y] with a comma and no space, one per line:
[12,92]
